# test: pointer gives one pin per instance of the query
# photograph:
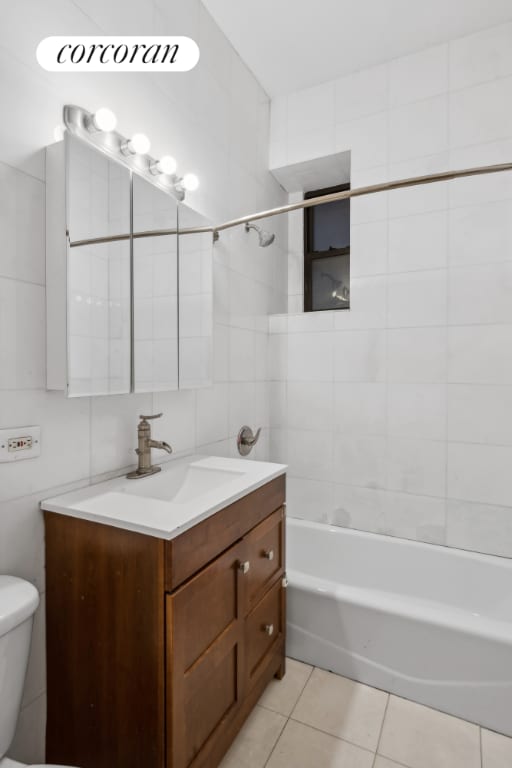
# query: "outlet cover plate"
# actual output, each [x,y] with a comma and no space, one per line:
[19,443]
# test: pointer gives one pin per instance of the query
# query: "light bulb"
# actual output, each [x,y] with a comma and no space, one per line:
[58,133]
[167,164]
[190,182]
[104,119]
[139,144]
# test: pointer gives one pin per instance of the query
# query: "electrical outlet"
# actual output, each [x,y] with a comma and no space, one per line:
[20,443]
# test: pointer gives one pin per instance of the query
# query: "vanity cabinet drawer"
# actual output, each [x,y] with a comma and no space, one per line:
[265,554]
[188,553]
[263,629]
[204,658]
[206,606]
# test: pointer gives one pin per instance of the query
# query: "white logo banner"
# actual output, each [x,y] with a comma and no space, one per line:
[117,54]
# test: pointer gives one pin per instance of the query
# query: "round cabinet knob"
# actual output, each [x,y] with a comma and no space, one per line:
[268,554]
[269,629]
[244,567]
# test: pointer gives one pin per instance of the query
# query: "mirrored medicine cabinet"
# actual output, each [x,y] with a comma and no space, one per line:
[125,312]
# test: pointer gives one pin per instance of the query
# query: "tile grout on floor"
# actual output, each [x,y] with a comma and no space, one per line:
[290,704]
[381,729]
[287,717]
[314,728]
[332,735]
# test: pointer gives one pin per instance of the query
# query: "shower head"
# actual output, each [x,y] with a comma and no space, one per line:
[265,238]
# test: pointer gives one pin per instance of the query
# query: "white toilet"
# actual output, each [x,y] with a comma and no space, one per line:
[18,602]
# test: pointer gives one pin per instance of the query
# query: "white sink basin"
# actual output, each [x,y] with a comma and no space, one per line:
[182,483]
[185,492]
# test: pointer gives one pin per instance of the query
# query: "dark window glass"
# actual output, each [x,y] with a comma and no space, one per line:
[327,253]
[331,226]
[331,283]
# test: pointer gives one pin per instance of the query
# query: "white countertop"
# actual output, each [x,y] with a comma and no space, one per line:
[164,505]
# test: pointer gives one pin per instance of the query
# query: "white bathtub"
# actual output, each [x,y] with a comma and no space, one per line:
[428,623]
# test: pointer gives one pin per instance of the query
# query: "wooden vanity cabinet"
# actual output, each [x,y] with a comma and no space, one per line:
[158,650]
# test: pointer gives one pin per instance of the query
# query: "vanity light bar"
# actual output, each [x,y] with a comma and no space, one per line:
[98,129]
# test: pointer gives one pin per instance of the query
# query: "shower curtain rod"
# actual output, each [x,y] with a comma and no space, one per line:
[386,186]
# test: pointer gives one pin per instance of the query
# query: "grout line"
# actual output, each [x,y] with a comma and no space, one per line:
[404,327]
[375,752]
[481,746]
[314,728]
[387,384]
[17,169]
[32,699]
[447,384]
[23,281]
[381,729]
[332,735]
[277,740]
[301,692]
[356,434]
[393,762]
[287,717]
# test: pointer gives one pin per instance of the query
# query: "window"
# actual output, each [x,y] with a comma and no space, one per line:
[327,253]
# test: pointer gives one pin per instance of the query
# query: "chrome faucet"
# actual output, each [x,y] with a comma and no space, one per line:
[143,451]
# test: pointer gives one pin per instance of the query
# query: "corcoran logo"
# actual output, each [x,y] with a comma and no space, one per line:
[118,54]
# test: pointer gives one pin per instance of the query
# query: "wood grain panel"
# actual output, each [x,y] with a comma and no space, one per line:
[205,673]
[206,606]
[258,642]
[148,640]
[198,546]
[264,540]
[215,748]
[105,645]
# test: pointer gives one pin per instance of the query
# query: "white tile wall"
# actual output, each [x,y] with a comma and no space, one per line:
[419,76]
[360,409]
[418,242]
[417,410]
[360,461]
[360,94]
[417,355]
[491,414]
[85,439]
[480,113]
[480,233]
[369,248]
[416,466]
[366,138]
[477,354]
[418,298]
[479,472]
[415,400]
[482,57]
[418,129]
[359,356]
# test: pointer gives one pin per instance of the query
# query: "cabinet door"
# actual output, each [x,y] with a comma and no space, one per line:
[204,657]
[264,630]
[265,552]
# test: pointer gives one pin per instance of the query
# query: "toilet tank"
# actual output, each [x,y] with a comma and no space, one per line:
[18,601]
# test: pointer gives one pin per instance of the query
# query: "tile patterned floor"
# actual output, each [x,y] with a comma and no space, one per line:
[315,719]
